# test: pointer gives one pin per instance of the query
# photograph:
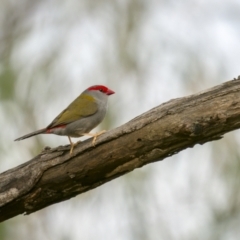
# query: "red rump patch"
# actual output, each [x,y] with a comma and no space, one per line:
[49,130]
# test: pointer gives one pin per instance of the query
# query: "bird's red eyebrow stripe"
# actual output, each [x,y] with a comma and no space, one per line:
[49,130]
[98,87]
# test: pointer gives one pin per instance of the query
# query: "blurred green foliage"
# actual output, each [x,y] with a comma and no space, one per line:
[7,81]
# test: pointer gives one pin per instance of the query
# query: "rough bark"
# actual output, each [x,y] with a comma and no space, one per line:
[54,176]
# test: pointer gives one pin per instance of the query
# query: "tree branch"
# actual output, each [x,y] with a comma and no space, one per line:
[54,176]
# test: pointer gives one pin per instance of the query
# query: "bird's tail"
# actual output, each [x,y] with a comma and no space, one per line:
[31,134]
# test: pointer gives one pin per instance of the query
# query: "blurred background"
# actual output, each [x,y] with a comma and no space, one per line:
[149,52]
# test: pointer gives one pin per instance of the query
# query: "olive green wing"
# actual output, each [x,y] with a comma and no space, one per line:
[83,106]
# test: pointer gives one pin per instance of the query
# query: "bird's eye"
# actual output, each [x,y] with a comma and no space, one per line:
[101,90]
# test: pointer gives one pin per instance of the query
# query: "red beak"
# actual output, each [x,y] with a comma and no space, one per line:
[109,92]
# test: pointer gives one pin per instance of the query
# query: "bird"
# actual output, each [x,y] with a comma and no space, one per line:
[80,117]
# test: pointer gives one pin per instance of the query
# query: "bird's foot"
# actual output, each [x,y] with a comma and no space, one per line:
[72,145]
[94,135]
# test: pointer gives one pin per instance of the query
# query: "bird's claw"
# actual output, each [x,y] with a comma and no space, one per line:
[94,141]
[71,150]
[95,137]
[72,145]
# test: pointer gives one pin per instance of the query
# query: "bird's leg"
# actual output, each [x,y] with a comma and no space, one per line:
[94,135]
[72,145]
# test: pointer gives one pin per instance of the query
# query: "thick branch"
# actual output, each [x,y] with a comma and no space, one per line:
[55,176]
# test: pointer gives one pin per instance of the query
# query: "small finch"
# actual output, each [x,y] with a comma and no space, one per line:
[80,117]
